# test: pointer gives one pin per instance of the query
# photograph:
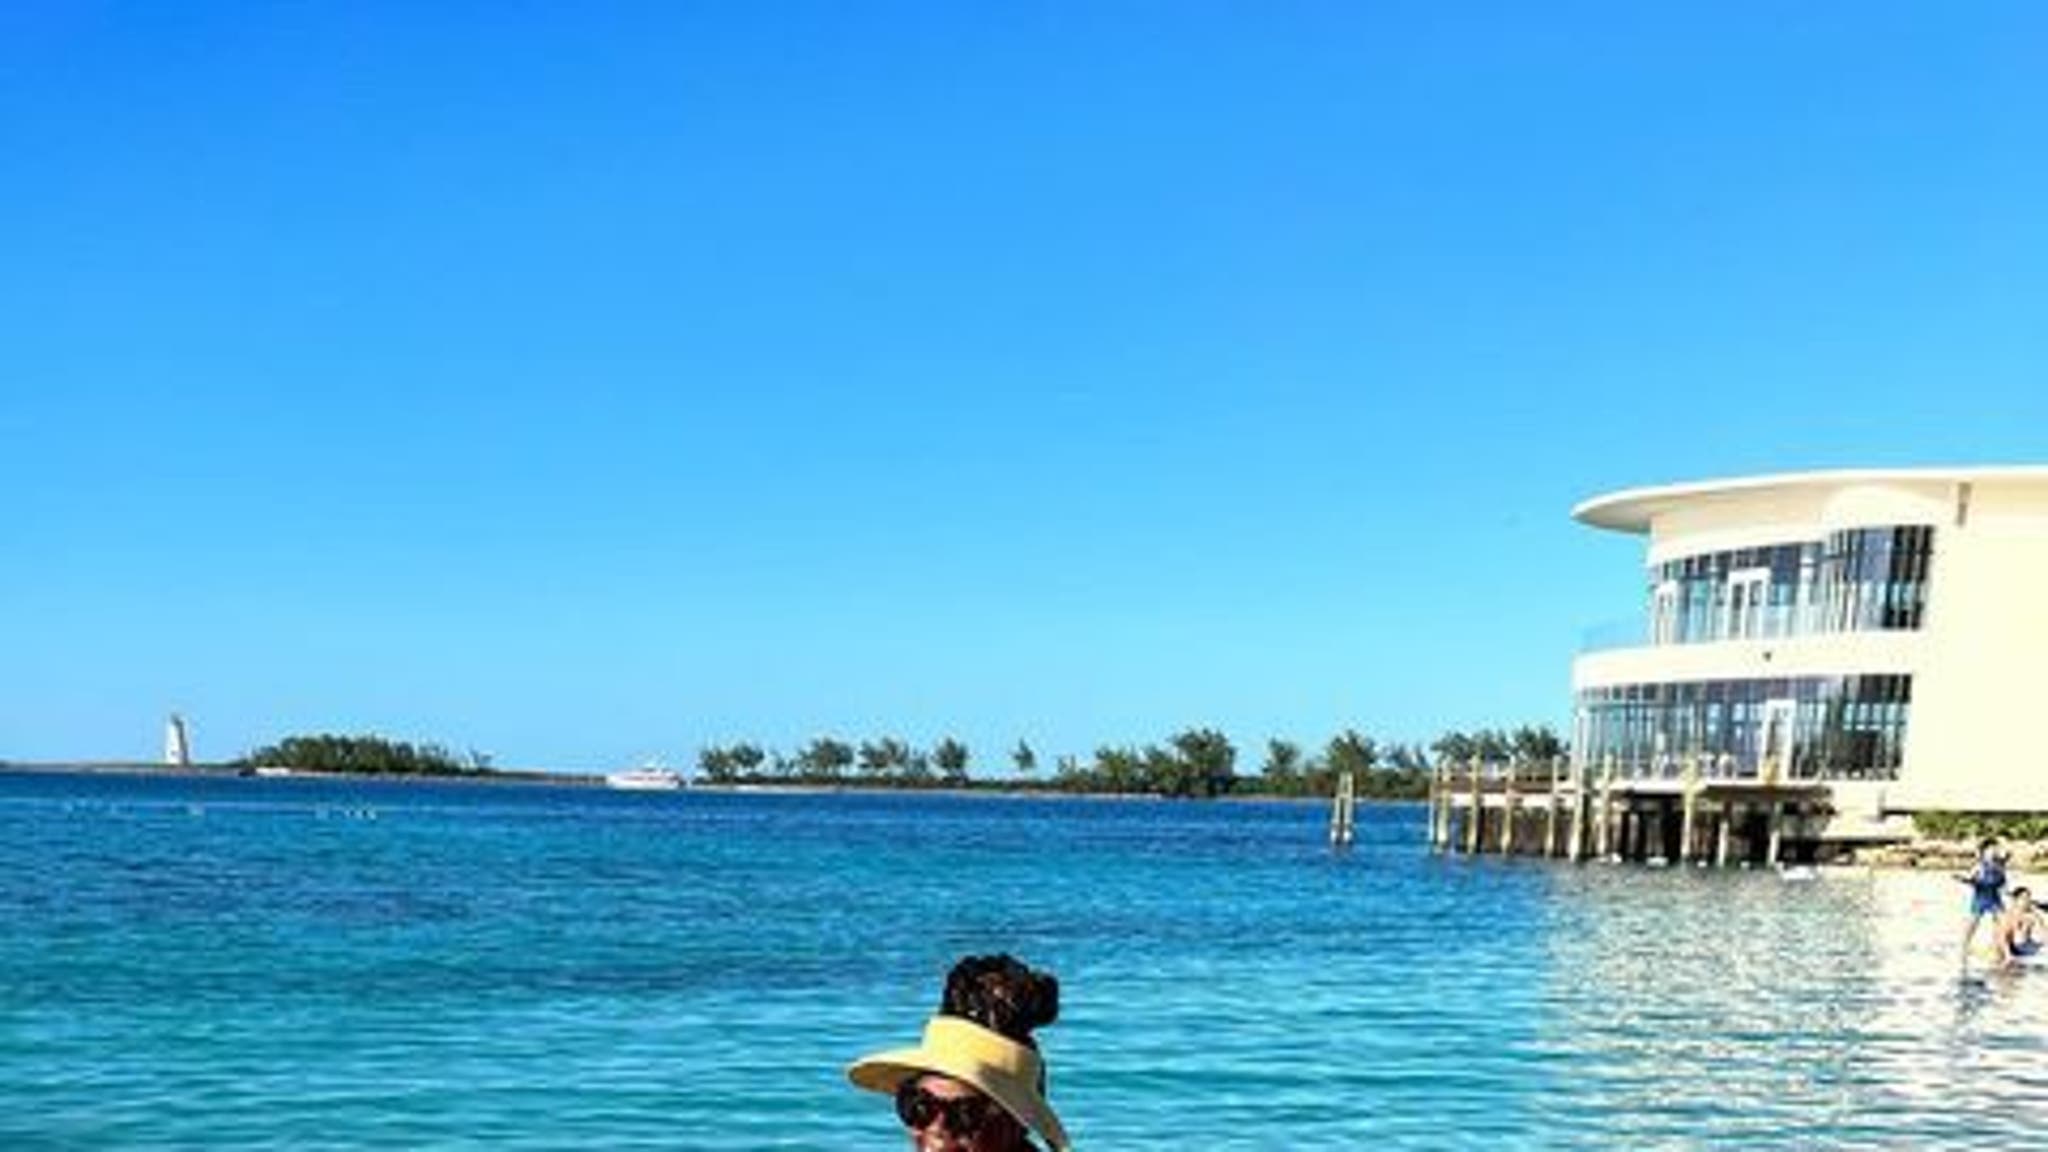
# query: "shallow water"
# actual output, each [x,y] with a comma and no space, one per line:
[290,963]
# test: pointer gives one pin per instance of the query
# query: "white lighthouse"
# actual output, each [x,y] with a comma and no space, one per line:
[177,743]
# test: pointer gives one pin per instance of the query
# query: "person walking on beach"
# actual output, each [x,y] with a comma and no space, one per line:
[1986,879]
[976,1082]
[2021,932]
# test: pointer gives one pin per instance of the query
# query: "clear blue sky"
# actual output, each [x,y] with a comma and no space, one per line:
[581,383]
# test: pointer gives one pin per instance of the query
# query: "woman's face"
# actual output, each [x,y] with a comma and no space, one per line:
[941,1114]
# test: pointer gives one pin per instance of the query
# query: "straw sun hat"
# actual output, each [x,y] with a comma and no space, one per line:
[1005,1071]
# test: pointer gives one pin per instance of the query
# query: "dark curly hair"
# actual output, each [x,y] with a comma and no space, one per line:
[1003,995]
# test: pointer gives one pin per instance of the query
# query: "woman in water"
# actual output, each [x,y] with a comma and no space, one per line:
[976,1083]
[1987,887]
[2020,932]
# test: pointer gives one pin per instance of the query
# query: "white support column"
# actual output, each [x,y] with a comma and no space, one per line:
[1477,818]
[1575,847]
[1439,810]
[1507,813]
[1604,830]
[1550,810]
[1688,823]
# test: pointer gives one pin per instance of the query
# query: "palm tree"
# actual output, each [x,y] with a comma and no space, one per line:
[826,758]
[950,757]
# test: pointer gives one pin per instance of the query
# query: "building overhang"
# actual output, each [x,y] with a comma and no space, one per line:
[1899,653]
[1636,509]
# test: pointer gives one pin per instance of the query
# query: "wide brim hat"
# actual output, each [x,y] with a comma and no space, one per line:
[1005,1071]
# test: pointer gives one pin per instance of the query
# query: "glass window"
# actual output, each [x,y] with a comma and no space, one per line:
[1853,580]
[1849,727]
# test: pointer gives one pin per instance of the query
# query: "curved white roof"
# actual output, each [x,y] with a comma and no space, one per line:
[1631,509]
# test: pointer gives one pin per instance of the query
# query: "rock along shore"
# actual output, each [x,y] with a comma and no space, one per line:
[1948,855]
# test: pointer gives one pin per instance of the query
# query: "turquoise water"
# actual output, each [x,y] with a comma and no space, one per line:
[288,963]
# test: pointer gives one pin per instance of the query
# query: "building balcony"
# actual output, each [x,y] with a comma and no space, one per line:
[1764,622]
[1822,654]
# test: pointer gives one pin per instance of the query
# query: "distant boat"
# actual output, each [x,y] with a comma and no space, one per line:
[648,779]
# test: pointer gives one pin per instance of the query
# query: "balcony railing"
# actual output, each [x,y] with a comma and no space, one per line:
[1769,622]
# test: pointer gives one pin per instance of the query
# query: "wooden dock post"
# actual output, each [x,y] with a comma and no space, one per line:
[1507,813]
[1575,848]
[1777,839]
[1440,808]
[1726,837]
[1344,811]
[1477,825]
[1602,813]
[1436,795]
[1606,829]
[1550,810]
[1450,815]
[1688,822]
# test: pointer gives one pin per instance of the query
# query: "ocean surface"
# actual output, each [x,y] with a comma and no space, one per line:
[191,963]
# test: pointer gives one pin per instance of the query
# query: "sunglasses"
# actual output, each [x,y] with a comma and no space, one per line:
[919,1109]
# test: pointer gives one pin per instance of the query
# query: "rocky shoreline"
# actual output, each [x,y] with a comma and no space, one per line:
[1947,855]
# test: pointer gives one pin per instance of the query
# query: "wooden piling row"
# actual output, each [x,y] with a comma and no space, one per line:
[1567,810]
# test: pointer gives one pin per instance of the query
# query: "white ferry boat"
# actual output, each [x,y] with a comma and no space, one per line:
[648,779]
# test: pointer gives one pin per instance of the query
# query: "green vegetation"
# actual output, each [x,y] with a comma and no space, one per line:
[1524,745]
[1980,825]
[1397,772]
[365,754]
[1197,763]
[950,756]
[1200,762]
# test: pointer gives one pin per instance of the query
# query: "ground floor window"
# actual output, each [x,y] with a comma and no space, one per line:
[1805,728]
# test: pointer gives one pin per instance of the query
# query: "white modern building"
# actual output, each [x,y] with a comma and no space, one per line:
[1834,650]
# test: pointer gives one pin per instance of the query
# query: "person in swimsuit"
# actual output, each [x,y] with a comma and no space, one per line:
[977,1081]
[2021,932]
[1987,889]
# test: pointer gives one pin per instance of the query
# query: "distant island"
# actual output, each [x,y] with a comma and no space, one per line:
[363,756]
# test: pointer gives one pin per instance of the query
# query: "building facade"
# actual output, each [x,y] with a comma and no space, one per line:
[1852,647]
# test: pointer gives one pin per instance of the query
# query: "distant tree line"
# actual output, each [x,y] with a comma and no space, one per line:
[373,755]
[1194,763]
[1524,745]
[1200,762]
[827,760]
